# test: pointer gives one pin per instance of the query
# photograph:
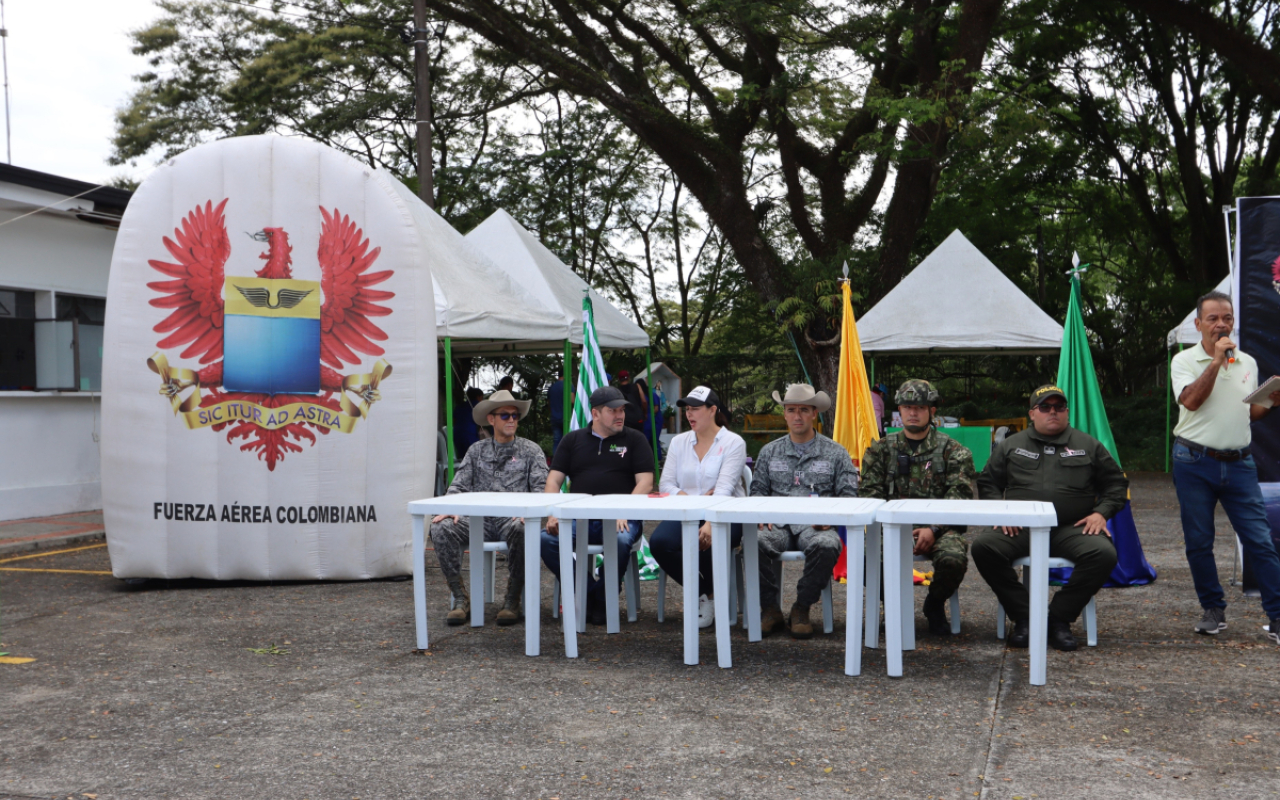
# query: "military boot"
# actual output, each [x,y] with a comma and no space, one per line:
[462,602]
[771,620]
[935,610]
[801,628]
[510,613]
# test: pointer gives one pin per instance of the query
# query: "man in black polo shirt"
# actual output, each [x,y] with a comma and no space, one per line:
[606,457]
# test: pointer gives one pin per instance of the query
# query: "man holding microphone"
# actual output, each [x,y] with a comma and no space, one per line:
[1212,462]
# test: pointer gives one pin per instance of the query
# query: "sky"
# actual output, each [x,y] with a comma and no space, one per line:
[70,68]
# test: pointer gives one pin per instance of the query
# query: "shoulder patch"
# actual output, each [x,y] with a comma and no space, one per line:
[1027,453]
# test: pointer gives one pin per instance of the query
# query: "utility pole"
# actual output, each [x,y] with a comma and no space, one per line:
[4,56]
[422,106]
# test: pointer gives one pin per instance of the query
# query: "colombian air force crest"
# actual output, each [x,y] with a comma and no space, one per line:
[269,346]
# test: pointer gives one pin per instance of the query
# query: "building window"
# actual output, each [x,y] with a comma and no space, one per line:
[63,352]
[17,340]
[87,315]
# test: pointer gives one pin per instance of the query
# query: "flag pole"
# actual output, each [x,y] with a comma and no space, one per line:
[448,402]
[567,373]
[653,426]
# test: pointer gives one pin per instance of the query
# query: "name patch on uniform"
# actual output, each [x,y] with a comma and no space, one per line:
[1027,453]
[779,466]
[1067,451]
[820,467]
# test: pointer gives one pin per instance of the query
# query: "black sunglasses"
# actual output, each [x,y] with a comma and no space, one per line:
[507,415]
[1047,408]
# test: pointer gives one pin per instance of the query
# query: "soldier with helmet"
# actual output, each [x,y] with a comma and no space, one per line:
[922,462]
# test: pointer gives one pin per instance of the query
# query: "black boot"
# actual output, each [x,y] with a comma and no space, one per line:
[596,614]
[935,610]
[1021,634]
[1060,637]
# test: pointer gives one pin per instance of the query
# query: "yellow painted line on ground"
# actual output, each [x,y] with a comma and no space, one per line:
[15,660]
[67,571]
[52,553]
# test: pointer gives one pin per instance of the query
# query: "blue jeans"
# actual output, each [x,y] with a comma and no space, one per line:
[595,535]
[557,433]
[666,545]
[1202,482]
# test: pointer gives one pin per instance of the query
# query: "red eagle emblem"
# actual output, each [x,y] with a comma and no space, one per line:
[195,296]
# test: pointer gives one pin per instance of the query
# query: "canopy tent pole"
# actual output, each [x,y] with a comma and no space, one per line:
[804,369]
[653,423]
[448,401]
[567,391]
[1168,405]
[873,370]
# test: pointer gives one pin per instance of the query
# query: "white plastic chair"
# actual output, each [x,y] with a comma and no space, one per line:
[630,580]
[1090,611]
[491,550]
[735,574]
[954,602]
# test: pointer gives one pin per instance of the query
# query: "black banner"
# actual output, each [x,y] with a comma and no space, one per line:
[1258,307]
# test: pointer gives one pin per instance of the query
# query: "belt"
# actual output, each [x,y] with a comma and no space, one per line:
[1220,455]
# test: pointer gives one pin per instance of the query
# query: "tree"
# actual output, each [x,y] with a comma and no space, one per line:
[820,97]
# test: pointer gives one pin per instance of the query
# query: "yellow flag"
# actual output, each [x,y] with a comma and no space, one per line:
[855,426]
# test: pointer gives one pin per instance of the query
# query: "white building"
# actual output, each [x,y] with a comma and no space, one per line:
[53,289]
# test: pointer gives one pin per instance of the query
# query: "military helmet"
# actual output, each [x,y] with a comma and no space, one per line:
[916,392]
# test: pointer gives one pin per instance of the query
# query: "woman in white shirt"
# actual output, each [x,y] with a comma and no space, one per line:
[707,459]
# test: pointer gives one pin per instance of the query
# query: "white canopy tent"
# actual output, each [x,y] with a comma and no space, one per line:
[984,311]
[551,282]
[479,308]
[1186,333]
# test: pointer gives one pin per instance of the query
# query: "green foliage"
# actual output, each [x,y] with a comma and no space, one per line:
[710,165]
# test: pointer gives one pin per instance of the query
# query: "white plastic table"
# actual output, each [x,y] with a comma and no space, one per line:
[894,516]
[532,506]
[685,509]
[853,512]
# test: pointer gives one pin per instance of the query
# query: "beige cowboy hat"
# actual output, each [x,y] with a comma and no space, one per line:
[498,400]
[802,394]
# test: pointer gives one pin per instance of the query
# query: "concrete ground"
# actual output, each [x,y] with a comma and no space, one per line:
[193,689]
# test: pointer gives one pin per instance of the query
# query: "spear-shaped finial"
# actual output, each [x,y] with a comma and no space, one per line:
[846,270]
[1076,267]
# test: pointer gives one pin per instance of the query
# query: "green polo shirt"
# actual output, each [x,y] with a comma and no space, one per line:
[1222,422]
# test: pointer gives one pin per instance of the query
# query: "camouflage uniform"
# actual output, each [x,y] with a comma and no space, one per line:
[517,466]
[782,470]
[942,469]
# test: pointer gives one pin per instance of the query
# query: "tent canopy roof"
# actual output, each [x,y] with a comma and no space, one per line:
[957,301]
[550,282]
[475,299]
[1186,332]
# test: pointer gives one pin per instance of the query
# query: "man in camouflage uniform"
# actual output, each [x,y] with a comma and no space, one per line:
[503,463]
[922,462]
[804,463]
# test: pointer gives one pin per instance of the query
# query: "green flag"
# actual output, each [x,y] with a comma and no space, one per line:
[1076,376]
[590,369]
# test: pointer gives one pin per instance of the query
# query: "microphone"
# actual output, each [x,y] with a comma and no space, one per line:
[1231,354]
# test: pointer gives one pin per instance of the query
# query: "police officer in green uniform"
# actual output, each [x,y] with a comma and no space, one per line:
[1052,462]
[920,461]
